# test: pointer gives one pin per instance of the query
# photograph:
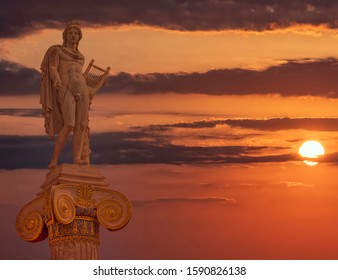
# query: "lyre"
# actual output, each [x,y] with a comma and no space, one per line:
[95,77]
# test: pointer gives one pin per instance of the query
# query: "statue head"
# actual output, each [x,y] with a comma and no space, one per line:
[69,26]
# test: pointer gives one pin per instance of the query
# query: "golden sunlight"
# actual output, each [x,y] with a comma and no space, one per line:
[311,149]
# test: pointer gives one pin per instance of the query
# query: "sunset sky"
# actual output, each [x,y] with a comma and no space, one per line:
[199,123]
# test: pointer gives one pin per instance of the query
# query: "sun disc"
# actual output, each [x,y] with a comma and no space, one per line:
[310,162]
[311,150]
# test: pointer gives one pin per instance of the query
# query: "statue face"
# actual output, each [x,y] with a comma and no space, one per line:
[72,36]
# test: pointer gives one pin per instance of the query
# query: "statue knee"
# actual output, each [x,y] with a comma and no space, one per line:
[80,127]
[68,128]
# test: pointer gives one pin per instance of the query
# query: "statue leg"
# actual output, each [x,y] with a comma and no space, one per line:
[68,114]
[80,129]
[85,155]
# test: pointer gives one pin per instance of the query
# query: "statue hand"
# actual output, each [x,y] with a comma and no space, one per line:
[58,84]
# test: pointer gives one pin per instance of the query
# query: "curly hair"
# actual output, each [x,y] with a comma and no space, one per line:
[72,24]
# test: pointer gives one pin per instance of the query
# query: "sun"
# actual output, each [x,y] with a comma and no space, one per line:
[311,150]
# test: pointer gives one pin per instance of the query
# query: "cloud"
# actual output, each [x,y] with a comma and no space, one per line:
[299,185]
[26,152]
[293,78]
[22,17]
[19,112]
[140,147]
[219,200]
[272,124]
[129,148]
[152,144]
[17,79]
[328,158]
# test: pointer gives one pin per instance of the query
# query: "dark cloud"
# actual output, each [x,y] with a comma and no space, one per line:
[293,78]
[219,200]
[19,112]
[273,124]
[330,158]
[26,152]
[16,79]
[116,148]
[26,16]
[129,148]
[153,145]
[226,136]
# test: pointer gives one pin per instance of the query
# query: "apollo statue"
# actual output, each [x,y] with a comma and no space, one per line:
[66,93]
[74,200]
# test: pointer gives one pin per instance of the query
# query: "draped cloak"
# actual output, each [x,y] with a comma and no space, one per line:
[51,107]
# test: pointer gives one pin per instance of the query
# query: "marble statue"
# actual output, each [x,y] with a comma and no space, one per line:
[74,199]
[66,93]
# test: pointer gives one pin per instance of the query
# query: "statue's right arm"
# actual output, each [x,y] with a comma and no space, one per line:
[53,69]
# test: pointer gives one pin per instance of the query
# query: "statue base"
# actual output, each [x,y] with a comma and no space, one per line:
[74,174]
[74,201]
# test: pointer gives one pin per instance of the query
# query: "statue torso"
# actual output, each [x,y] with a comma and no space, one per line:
[70,69]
